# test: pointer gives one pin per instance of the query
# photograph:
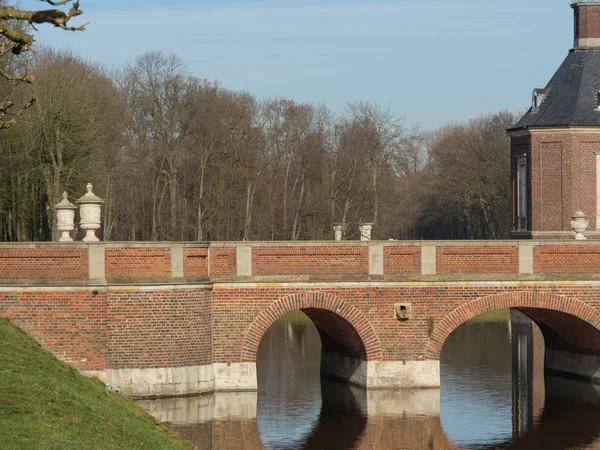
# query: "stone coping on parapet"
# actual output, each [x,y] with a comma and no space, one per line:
[413,243]
[435,243]
[217,286]
[305,281]
[111,244]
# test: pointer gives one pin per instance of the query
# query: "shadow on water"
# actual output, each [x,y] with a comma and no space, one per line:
[570,418]
[342,419]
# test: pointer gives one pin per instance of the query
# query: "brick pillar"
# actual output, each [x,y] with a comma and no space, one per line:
[587,24]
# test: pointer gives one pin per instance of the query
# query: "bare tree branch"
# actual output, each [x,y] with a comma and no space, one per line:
[15,28]
[59,3]
[4,110]
[23,78]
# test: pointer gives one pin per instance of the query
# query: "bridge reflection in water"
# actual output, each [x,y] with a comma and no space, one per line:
[492,396]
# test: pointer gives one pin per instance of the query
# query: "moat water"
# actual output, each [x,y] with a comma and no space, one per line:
[493,395]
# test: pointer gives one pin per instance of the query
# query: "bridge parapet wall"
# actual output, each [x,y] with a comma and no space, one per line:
[48,262]
[179,317]
[166,262]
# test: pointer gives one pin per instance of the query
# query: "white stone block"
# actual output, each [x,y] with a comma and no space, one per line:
[235,376]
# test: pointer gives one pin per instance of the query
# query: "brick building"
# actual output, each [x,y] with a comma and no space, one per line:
[555,146]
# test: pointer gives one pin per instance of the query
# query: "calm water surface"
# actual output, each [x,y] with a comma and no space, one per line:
[493,396]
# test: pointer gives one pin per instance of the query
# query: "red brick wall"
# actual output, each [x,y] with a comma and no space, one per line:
[241,316]
[455,259]
[195,262]
[587,21]
[566,259]
[563,178]
[50,263]
[292,260]
[584,170]
[321,306]
[222,261]
[554,180]
[580,301]
[135,327]
[139,263]
[402,260]
[158,328]
[72,325]
[144,264]
[236,337]
[183,327]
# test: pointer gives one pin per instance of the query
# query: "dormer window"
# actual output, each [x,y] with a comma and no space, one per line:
[597,101]
[537,98]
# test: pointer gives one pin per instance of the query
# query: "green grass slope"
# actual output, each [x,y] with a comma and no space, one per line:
[46,404]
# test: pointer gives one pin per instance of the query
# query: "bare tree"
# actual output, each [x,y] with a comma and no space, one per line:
[382,135]
[158,90]
[76,125]
[469,177]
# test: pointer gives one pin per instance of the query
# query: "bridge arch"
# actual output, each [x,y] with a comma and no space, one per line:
[539,307]
[352,321]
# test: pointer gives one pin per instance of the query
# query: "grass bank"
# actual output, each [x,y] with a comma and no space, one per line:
[46,404]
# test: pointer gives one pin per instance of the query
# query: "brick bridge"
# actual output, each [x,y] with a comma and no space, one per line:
[180,318]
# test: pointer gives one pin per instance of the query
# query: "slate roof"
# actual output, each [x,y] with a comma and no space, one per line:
[571,96]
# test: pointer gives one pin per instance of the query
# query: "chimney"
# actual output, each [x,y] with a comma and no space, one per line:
[587,24]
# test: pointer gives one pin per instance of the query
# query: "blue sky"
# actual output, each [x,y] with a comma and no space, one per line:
[433,61]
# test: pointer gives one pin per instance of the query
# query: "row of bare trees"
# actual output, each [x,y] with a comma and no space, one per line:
[181,158]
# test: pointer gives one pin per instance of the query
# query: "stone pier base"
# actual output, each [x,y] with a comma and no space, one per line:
[222,377]
[573,365]
[180,381]
[235,376]
[381,374]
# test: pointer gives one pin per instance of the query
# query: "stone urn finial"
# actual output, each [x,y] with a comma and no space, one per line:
[365,231]
[89,212]
[65,218]
[337,231]
[579,224]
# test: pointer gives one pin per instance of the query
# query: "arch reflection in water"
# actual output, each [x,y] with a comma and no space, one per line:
[223,420]
[488,400]
[475,372]
[296,409]
[328,414]
[289,394]
[495,393]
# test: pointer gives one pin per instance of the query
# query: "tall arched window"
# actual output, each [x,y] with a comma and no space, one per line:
[521,193]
